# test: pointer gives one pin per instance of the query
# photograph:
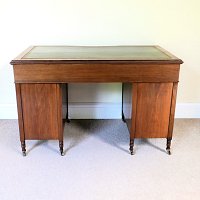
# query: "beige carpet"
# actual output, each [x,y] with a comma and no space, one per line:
[97,164]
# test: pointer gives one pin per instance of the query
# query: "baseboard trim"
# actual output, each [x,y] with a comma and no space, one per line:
[8,111]
[94,110]
[187,110]
[102,110]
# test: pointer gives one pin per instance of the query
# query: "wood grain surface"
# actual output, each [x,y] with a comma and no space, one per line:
[172,110]
[66,73]
[41,111]
[153,110]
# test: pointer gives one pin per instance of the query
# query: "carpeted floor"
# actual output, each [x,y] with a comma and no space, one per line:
[97,164]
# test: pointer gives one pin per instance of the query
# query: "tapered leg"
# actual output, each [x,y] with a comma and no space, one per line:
[61,148]
[23,145]
[171,118]
[131,146]
[132,129]
[67,114]
[123,118]
[20,118]
[168,145]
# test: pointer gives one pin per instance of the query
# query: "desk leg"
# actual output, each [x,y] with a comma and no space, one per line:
[23,145]
[133,116]
[20,118]
[61,148]
[123,117]
[171,118]
[67,114]
[131,146]
[129,104]
[168,145]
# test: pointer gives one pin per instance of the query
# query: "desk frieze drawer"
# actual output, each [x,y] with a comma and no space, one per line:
[63,73]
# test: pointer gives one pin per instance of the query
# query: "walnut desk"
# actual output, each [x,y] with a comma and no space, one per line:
[149,76]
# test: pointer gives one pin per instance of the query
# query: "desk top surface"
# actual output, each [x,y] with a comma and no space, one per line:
[81,54]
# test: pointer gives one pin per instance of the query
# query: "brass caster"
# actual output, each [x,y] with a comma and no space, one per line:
[132,151]
[168,152]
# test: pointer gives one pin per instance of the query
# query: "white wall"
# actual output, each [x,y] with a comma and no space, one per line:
[172,24]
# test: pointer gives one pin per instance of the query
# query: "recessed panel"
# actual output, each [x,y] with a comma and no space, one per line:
[97,53]
[40,103]
[153,110]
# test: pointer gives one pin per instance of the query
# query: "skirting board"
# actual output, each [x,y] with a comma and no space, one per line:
[102,110]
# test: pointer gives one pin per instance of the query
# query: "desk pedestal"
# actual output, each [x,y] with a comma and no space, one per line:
[40,113]
[148,110]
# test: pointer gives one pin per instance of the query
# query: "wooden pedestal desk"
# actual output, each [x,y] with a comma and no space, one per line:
[149,76]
